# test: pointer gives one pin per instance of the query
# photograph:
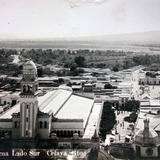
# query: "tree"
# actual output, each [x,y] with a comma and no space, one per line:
[39,71]
[151,74]
[132,105]
[109,86]
[73,67]
[80,61]
[108,119]
[115,69]
[73,70]
[100,65]
[131,118]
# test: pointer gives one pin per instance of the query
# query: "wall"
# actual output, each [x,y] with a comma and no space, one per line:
[15,131]
[43,132]
[144,154]
[67,125]
[5,125]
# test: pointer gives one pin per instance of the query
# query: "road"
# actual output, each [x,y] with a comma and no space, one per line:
[121,126]
[135,72]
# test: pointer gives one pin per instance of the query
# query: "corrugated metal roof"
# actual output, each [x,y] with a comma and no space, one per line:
[62,103]
[93,121]
[76,107]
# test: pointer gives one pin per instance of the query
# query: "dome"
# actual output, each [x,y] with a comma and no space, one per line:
[152,134]
[147,135]
[30,65]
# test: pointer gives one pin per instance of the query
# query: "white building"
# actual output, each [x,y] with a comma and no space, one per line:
[147,139]
[59,113]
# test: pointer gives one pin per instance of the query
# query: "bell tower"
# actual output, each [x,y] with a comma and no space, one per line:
[28,100]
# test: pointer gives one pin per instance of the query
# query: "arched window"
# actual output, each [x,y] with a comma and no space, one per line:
[15,124]
[58,133]
[64,133]
[26,119]
[36,87]
[40,124]
[26,133]
[72,133]
[24,89]
[45,124]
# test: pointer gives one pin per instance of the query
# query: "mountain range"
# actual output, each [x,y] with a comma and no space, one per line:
[150,39]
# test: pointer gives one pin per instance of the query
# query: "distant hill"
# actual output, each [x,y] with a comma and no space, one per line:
[149,37]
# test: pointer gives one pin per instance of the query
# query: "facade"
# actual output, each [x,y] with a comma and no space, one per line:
[152,105]
[147,143]
[58,113]
[149,80]
[147,103]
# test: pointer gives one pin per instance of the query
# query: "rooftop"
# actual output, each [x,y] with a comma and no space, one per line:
[76,107]
[154,121]
[93,122]
[63,104]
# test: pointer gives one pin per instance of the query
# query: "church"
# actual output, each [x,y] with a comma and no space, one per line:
[57,114]
[147,140]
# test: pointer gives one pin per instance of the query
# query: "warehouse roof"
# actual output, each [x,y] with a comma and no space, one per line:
[62,104]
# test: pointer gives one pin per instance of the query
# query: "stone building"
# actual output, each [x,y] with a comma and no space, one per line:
[147,143]
[59,113]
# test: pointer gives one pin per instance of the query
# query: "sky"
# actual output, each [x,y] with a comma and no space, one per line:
[42,19]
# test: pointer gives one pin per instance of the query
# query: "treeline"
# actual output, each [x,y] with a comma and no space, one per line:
[150,61]
[6,58]
[131,105]
[5,55]
[146,59]
[115,60]
[108,119]
[92,58]
[66,57]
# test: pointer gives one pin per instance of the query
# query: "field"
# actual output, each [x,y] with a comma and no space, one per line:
[94,45]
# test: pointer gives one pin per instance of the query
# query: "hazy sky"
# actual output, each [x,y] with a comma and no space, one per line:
[72,18]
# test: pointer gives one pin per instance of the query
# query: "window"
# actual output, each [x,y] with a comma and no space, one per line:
[45,124]
[26,119]
[4,102]
[37,87]
[15,124]
[26,133]
[27,106]
[40,124]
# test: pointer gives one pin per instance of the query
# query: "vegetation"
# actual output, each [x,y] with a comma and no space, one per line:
[80,61]
[131,105]
[151,74]
[108,119]
[109,86]
[115,69]
[82,58]
[74,59]
[6,55]
[131,118]
[146,59]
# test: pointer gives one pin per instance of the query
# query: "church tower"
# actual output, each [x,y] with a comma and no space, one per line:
[28,100]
